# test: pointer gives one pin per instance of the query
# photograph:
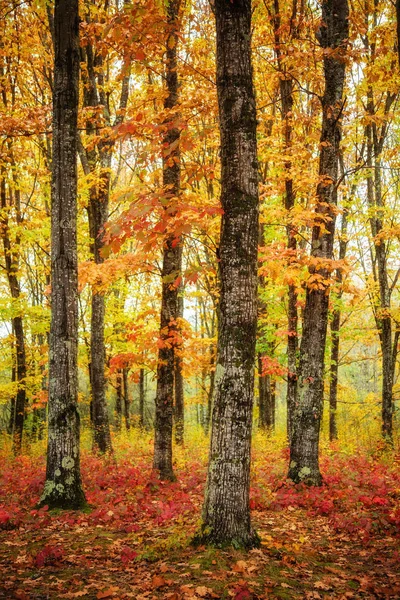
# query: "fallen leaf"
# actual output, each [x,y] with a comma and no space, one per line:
[202,591]
[158,582]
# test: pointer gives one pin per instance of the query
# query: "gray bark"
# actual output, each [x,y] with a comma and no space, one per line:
[304,444]
[63,479]
[226,512]
[172,263]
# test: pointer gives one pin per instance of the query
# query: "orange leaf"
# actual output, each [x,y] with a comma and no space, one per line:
[158,582]
[107,593]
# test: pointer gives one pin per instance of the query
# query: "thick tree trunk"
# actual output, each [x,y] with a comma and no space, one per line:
[172,263]
[63,479]
[304,446]
[226,511]
[335,331]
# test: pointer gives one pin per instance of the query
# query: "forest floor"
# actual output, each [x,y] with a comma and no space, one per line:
[338,541]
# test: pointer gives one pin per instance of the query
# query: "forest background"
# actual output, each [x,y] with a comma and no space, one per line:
[127,215]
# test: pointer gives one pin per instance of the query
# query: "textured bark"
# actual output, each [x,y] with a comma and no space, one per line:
[63,480]
[226,511]
[172,262]
[335,331]
[304,445]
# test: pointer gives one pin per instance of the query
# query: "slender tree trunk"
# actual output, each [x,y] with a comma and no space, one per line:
[141,398]
[304,445]
[375,135]
[118,400]
[100,420]
[127,400]
[335,330]
[262,384]
[179,408]
[286,94]
[226,511]
[382,313]
[172,262]
[266,400]
[11,263]
[11,421]
[97,162]
[63,479]
[98,215]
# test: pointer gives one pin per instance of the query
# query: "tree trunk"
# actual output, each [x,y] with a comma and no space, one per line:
[304,445]
[141,398]
[63,479]
[96,162]
[335,329]
[118,400]
[18,404]
[100,420]
[179,408]
[262,384]
[226,511]
[127,401]
[286,94]
[382,313]
[172,262]
[93,160]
